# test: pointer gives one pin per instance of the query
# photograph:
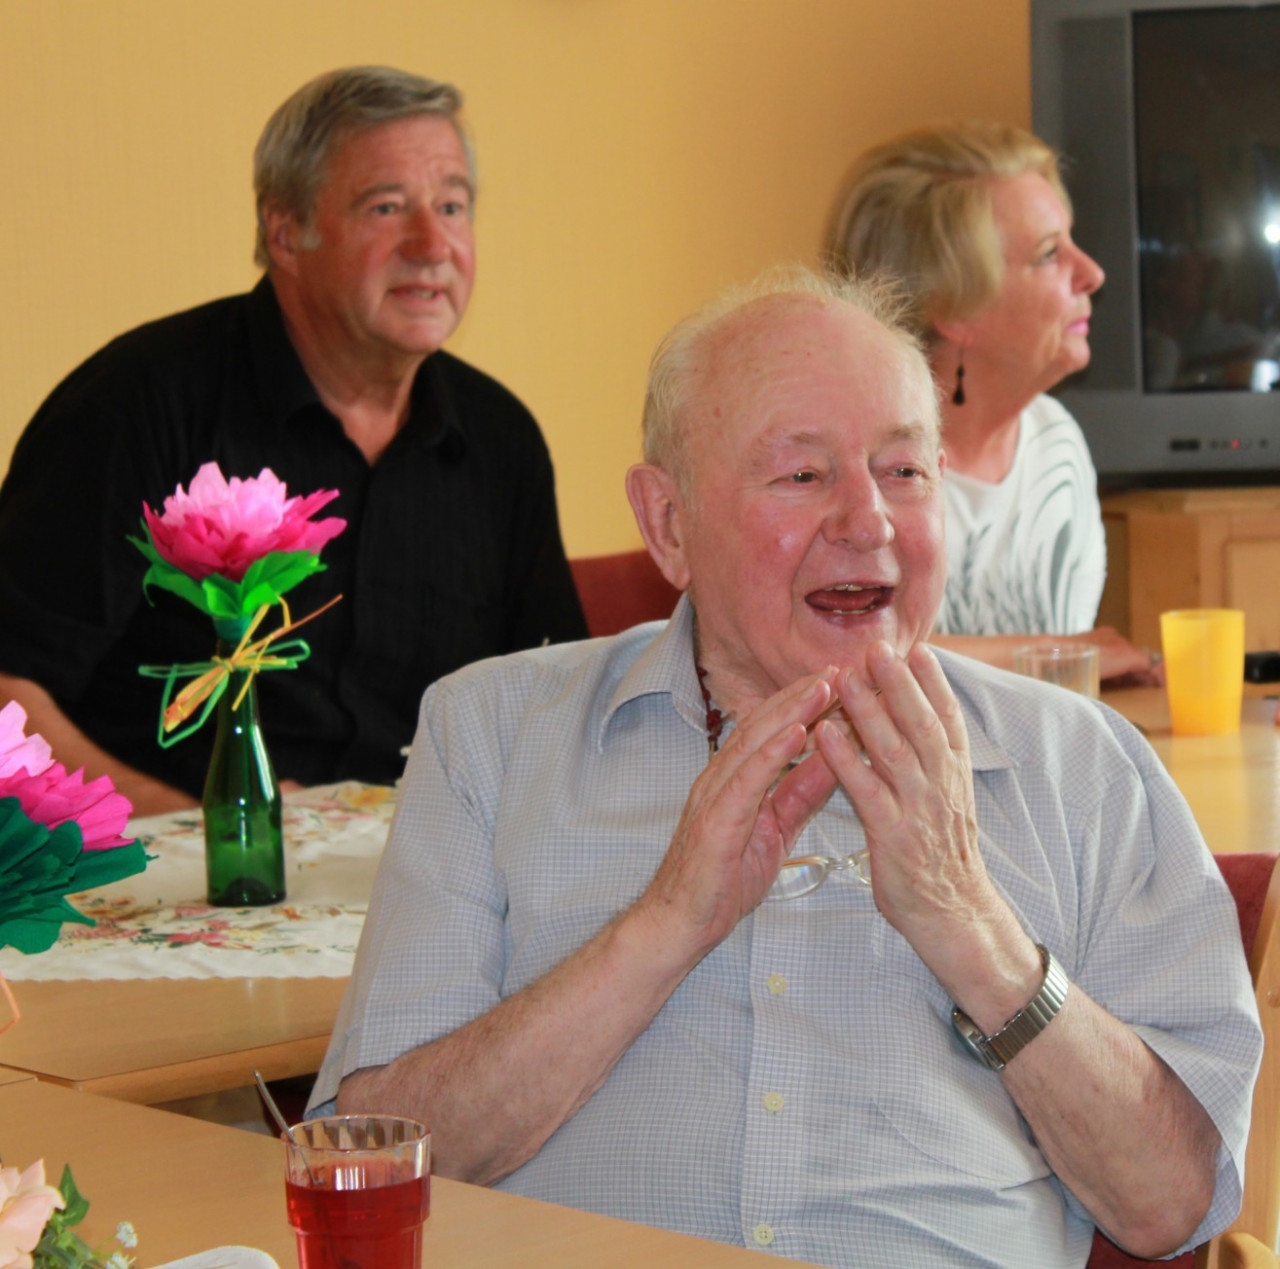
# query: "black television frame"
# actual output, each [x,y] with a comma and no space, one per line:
[1083,105]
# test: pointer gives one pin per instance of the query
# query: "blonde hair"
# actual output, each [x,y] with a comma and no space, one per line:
[663,425]
[919,206]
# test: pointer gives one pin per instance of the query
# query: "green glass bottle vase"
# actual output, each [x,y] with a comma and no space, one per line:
[243,839]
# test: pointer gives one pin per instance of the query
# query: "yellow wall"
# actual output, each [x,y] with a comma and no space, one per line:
[635,155]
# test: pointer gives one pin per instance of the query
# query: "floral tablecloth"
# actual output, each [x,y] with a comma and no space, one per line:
[157,925]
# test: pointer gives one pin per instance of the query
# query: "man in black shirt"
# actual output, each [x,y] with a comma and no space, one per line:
[330,372]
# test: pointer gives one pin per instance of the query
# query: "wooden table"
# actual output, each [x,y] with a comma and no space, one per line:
[149,1038]
[159,1039]
[1232,783]
[187,1186]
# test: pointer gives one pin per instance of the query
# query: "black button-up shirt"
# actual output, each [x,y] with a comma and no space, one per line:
[452,549]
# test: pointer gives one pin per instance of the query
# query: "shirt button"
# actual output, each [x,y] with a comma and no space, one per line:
[776,983]
[763,1234]
[773,1102]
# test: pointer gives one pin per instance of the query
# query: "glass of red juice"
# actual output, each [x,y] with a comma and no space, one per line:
[358,1188]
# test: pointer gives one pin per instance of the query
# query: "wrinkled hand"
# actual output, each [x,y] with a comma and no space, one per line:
[737,828]
[914,794]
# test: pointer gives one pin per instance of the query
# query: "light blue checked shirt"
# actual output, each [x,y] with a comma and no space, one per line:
[802,1090]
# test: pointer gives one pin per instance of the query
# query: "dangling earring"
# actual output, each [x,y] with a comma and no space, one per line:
[957,397]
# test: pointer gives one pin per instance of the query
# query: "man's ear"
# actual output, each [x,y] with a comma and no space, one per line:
[284,237]
[659,511]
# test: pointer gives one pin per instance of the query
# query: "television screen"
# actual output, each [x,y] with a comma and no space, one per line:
[1207,130]
[1167,113]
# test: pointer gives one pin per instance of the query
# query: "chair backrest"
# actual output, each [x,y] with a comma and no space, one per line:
[1244,1251]
[620,591]
[1254,880]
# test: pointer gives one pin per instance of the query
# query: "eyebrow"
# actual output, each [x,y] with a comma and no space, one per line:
[766,446]
[913,431]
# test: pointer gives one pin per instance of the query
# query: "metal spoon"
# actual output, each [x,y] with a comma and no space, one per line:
[270,1103]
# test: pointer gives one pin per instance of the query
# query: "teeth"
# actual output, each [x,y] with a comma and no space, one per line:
[850,587]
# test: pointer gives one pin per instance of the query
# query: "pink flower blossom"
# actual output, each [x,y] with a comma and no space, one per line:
[52,797]
[223,526]
[18,751]
[48,795]
[26,1203]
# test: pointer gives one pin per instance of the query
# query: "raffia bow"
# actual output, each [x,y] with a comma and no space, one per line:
[210,678]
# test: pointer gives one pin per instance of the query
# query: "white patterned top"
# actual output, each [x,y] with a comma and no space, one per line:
[1027,555]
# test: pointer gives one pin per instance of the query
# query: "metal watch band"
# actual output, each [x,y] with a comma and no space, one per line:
[998,1050]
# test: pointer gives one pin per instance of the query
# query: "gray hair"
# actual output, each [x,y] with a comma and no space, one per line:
[671,370]
[291,155]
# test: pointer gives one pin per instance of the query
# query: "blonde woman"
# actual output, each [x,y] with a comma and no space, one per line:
[973,218]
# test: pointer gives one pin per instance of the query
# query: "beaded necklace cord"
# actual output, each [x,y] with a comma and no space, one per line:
[715,717]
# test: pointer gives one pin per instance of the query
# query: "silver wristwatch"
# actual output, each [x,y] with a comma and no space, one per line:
[998,1050]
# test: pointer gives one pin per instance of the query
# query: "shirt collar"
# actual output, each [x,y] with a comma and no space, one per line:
[434,419]
[282,383]
[284,388]
[664,667]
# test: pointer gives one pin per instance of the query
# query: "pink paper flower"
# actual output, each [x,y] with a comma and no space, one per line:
[18,751]
[223,526]
[54,796]
[26,1203]
[49,796]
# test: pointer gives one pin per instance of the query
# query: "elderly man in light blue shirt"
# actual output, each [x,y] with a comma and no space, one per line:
[1003,1002]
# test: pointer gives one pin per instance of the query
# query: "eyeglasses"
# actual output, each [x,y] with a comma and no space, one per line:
[804,874]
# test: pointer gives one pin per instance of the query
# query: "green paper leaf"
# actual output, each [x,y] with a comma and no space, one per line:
[77,1206]
[30,936]
[264,581]
[101,867]
[40,867]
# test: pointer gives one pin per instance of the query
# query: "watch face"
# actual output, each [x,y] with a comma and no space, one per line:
[974,1041]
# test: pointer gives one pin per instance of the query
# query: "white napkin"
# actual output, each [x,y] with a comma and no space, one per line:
[224,1258]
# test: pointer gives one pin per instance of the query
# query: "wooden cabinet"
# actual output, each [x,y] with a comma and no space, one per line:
[1192,548]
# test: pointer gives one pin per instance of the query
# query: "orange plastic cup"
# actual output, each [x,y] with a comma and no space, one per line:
[1204,669]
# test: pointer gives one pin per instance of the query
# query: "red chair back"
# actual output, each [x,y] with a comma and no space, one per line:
[1248,876]
[620,591]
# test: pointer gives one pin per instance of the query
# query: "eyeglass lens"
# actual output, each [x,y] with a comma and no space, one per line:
[804,874]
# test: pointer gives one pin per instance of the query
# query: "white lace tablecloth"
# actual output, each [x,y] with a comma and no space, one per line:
[157,924]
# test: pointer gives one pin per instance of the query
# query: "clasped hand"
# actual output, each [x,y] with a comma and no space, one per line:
[913,791]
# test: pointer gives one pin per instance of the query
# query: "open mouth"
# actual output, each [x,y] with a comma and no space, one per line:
[425,293]
[849,600]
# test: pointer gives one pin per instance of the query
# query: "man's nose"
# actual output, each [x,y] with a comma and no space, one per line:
[425,237]
[860,518]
